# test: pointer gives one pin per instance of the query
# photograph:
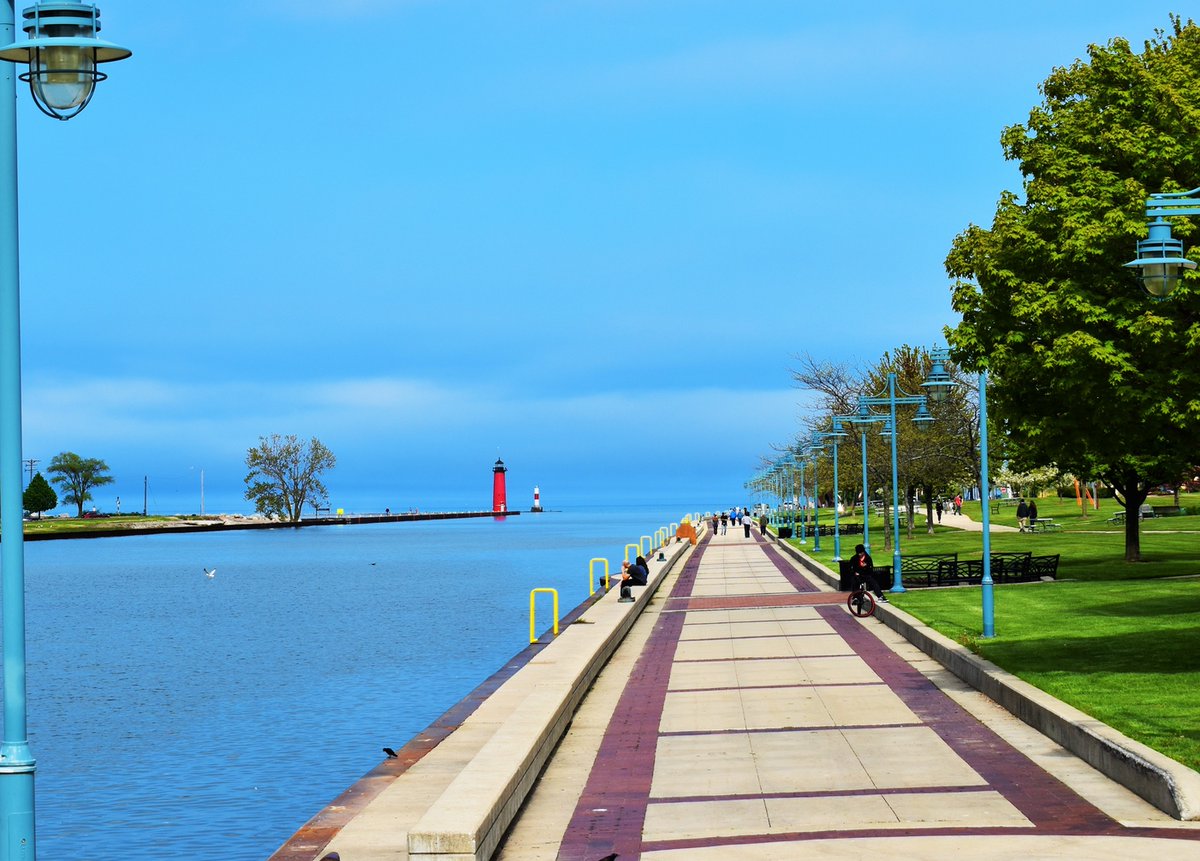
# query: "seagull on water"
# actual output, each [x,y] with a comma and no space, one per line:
[210,574]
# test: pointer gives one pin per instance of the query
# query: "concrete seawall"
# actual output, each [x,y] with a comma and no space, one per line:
[453,791]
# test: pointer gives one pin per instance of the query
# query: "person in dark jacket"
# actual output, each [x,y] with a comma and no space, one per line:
[863,568]
[634,574]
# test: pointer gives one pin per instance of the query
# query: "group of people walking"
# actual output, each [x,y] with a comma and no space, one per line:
[720,522]
[1027,515]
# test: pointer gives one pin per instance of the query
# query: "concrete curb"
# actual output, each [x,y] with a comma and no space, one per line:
[1169,785]
[468,820]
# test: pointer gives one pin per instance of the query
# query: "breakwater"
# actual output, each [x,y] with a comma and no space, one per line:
[228,524]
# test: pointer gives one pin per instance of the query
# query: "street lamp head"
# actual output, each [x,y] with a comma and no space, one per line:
[1161,261]
[923,418]
[938,384]
[62,52]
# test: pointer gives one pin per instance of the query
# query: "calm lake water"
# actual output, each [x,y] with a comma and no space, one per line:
[176,716]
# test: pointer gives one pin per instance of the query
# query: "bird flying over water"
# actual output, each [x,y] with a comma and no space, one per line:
[210,574]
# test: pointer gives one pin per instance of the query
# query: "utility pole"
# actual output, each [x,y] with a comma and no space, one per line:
[31,463]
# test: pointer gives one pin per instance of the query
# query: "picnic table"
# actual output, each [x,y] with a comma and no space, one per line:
[1143,512]
[1044,524]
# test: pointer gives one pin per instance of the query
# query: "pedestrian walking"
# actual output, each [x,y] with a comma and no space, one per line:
[938,508]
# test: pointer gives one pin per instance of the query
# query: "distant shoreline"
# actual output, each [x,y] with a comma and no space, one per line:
[226,523]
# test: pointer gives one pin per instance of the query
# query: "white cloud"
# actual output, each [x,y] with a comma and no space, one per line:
[94,414]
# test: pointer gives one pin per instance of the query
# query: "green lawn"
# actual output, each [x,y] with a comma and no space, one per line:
[1118,640]
[51,525]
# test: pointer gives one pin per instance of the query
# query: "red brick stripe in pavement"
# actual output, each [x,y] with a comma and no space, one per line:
[611,811]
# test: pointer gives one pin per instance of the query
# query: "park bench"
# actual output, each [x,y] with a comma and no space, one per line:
[1007,567]
[1167,510]
[1043,567]
[1143,512]
[924,566]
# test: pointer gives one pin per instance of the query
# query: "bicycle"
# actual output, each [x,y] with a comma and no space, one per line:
[861,602]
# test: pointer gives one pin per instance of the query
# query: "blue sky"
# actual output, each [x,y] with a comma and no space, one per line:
[588,237]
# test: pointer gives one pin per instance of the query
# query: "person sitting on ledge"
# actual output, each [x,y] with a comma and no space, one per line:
[639,572]
[632,575]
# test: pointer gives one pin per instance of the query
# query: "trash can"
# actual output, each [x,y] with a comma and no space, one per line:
[784,531]
[845,576]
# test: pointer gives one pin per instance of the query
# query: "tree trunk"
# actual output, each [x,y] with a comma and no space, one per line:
[1132,494]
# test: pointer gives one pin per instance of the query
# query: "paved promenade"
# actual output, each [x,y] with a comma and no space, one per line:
[747,715]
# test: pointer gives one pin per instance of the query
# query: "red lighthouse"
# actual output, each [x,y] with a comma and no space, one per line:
[499,496]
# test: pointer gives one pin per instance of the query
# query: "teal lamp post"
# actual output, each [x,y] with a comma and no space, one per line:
[813,450]
[819,438]
[1160,256]
[863,418]
[62,53]
[891,400]
[800,499]
[939,384]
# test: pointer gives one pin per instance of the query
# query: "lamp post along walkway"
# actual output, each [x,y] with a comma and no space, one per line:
[62,54]
[891,400]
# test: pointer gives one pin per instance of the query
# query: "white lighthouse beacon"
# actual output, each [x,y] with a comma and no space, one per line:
[537,499]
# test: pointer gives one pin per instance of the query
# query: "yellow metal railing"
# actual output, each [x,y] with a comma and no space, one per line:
[592,575]
[646,545]
[637,551]
[532,605]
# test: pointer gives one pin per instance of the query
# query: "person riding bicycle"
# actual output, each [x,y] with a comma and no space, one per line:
[863,570]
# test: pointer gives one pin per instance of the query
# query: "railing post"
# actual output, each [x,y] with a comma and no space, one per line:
[592,574]
[532,602]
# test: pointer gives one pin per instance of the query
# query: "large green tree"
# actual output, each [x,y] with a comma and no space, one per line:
[39,496]
[1086,372]
[284,472]
[76,476]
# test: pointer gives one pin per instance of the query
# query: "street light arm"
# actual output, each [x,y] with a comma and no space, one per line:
[1173,203]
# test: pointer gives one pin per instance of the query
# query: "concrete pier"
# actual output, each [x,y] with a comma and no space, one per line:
[736,709]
